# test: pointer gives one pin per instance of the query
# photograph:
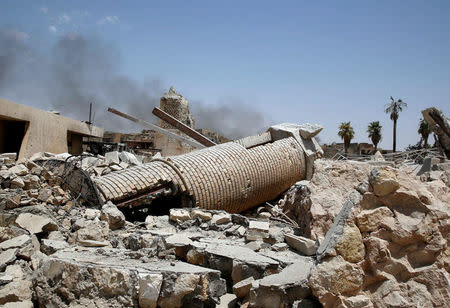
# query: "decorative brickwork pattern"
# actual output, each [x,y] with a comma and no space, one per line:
[224,177]
[177,106]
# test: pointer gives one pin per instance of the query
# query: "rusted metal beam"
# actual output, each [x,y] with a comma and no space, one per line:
[182,127]
[156,128]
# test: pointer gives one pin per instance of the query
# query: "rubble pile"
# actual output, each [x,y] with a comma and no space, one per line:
[356,235]
[388,246]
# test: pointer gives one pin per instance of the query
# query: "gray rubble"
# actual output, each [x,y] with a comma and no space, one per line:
[56,253]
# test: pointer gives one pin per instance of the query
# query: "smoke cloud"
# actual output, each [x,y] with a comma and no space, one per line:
[231,117]
[81,69]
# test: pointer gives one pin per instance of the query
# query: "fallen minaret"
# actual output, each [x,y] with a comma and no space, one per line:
[233,176]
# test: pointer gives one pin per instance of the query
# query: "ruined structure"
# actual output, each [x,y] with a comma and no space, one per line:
[177,106]
[440,125]
[234,176]
[356,234]
[354,148]
[26,130]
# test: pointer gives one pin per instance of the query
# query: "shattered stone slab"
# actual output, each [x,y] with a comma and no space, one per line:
[235,262]
[16,242]
[113,276]
[303,245]
[35,223]
[284,288]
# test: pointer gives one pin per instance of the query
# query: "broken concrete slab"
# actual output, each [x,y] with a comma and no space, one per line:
[242,288]
[149,289]
[227,301]
[205,216]
[235,262]
[258,225]
[16,242]
[112,157]
[7,257]
[177,215]
[114,276]
[92,243]
[36,223]
[280,246]
[301,244]
[4,279]
[112,215]
[51,246]
[282,289]
[221,218]
[129,158]
[19,170]
[307,130]
[21,304]
[17,183]
[178,240]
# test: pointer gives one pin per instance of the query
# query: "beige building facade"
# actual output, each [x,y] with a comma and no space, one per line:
[26,130]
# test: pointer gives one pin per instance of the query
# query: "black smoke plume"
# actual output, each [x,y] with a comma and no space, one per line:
[81,69]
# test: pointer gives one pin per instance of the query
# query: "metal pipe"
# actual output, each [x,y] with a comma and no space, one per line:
[182,127]
[156,128]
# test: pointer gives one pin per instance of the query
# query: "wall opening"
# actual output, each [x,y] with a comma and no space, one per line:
[74,143]
[11,135]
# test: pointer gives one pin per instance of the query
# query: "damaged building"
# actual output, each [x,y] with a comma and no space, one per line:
[26,130]
[333,234]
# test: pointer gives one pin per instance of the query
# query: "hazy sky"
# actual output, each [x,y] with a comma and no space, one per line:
[290,61]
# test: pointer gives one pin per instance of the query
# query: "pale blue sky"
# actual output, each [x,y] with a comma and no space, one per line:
[295,61]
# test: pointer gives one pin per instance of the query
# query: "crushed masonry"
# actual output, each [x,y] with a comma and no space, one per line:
[336,234]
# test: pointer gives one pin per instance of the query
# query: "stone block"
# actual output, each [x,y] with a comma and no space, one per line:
[242,288]
[112,215]
[16,242]
[221,218]
[179,215]
[112,158]
[7,257]
[301,244]
[383,181]
[282,289]
[36,223]
[205,216]
[161,283]
[51,246]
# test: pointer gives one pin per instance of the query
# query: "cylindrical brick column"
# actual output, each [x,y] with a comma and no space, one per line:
[223,177]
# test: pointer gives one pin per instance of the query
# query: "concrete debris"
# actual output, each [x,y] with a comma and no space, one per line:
[353,235]
[301,244]
[35,223]
[221,218]
[7,257]
[242,288]
[111,214]
[16,242]
[383,181]
[308,131]
[282,289]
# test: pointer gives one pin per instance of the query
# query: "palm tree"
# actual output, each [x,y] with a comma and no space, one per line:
[346,133]
[424,130]
[393,109]
[374,130]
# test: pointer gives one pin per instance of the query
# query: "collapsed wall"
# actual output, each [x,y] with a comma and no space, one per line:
[234,176]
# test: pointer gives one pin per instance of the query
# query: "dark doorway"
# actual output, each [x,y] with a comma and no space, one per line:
[11,135]
[74,143]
